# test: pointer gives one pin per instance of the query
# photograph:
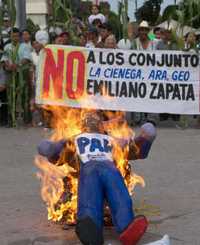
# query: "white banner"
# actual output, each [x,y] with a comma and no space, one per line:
[155,82]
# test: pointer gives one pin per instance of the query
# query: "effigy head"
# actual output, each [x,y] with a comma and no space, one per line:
[92,122]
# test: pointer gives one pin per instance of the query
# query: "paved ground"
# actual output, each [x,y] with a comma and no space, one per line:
[172,185]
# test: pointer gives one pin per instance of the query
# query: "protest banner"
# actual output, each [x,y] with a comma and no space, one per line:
[126,80]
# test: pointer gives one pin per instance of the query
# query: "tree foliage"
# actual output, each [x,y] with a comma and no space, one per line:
[189,13]
[150,11]
[170,12]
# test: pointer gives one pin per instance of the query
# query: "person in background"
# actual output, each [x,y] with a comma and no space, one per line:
[59,40]
[65,37]
[3,97]
[157,33]
[110,42]
[112,18]
[26,37]
[41,40]
[6,29]
[77,24]
[92,37]
[97,24]
[26,44]
[37,48]
[167,43]
[190,42]
[191,46]
[143,42]
[20,52]
[132,30]
[17,60]
[82,41]
[105,30]
[95,14]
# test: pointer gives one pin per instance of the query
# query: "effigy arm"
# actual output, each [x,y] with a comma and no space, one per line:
[51,150]
[141,146]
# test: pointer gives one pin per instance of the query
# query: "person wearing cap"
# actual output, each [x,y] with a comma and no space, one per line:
[100,180]
[143,41]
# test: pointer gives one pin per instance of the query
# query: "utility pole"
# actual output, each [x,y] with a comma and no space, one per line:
[21,13]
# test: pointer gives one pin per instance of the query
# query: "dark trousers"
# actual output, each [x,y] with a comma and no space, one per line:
[3,108]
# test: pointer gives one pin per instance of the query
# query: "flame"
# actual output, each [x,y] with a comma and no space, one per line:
[60,181]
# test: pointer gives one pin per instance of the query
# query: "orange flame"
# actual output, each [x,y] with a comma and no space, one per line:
[61,196]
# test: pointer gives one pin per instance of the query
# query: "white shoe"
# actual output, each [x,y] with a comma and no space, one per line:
[164,241]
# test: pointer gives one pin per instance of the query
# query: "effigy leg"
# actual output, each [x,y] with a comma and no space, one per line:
[130,228]
[89,226]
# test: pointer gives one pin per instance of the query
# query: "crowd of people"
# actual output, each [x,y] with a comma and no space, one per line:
[20,52]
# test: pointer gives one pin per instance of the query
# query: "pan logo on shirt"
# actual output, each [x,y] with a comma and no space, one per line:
[94,147]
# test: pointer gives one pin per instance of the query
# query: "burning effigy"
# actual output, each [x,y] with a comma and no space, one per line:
[86,176]
[85,172]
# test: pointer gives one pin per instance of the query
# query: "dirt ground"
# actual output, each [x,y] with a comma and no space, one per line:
[172,192]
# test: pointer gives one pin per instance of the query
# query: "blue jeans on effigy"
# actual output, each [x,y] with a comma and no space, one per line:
[100,181]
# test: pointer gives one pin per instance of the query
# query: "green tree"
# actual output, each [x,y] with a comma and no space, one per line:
[170,12]
[150,11]
[189,13]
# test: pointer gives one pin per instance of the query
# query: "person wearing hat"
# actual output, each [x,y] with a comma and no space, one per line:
[42,37]
[143,41]
[40,41]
